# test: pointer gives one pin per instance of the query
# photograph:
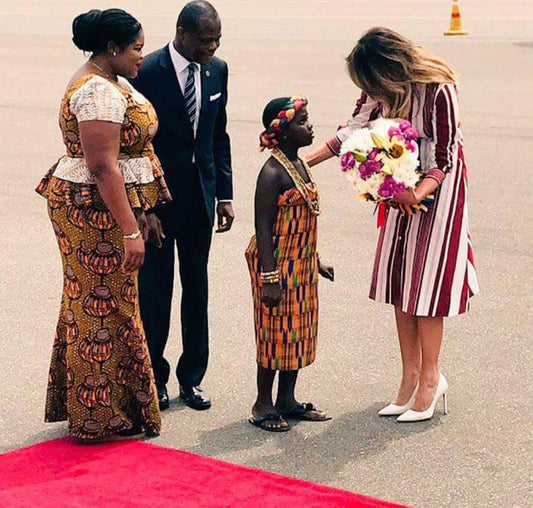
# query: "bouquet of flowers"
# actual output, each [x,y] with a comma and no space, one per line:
[381,161]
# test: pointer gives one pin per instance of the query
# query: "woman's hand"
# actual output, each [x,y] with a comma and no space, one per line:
[326,271]
[133,255]
[271,294]
[407,197]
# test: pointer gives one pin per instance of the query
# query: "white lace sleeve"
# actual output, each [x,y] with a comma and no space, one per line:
[98,99]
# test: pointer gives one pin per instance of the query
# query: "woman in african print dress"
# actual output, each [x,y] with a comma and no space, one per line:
[101,377]
[424,261]
[284,266]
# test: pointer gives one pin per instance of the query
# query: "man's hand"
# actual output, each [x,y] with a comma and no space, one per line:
[143,225]
[225,217]
[154,231]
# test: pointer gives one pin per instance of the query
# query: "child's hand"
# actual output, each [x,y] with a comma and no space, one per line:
[326,271]
[271,295]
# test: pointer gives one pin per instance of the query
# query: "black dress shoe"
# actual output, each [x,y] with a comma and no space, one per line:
[162,396]
[195,398]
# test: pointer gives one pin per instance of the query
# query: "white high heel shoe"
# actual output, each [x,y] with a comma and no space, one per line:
[418,416]
[394,410]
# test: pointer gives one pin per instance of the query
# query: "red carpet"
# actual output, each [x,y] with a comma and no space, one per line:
[62,473]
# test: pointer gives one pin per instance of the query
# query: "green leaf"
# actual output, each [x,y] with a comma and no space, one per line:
[359,157]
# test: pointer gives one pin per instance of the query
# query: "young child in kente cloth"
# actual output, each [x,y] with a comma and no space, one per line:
[284,266]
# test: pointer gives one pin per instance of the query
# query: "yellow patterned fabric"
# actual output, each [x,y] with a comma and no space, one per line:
[101,377]
[138,129]
[286,335]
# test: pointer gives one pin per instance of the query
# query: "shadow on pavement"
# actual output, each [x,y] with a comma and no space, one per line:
[319,457]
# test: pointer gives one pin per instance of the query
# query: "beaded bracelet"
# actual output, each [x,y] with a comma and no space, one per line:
[269,277]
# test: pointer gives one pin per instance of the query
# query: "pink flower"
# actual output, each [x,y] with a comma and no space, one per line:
[410,145]
[404,124]
[390,188]
[411,134]
[406,130]
[394,132]
[369,168]
[347,161]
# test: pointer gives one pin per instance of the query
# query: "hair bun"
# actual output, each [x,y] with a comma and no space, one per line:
[85,30]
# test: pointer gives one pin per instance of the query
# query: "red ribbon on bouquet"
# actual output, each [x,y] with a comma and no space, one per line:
[382,214]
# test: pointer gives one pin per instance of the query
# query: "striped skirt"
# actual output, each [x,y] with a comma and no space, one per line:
[424,263]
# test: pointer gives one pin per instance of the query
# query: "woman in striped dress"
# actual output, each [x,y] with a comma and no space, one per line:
[424,261]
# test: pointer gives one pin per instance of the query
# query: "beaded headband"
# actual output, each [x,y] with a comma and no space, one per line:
[268,138]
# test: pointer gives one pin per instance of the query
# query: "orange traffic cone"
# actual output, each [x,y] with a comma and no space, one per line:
[456,28]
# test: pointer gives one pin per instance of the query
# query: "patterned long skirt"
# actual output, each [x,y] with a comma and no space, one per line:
[286,336]
[101,377]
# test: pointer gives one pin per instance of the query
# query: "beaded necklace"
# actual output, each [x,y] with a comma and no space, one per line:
[312,202]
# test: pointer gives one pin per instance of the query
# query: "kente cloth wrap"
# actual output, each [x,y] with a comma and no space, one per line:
[269,137]
[286,336]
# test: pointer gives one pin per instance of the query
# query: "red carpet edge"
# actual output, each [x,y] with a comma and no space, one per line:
[64,473]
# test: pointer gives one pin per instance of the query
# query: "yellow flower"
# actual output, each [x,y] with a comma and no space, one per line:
[396,150]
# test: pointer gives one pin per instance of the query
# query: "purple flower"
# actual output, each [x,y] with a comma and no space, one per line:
[373,154]
[369,168]
[347,161]
[390,188]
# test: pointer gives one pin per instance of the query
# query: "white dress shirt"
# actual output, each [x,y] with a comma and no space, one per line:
[181,66]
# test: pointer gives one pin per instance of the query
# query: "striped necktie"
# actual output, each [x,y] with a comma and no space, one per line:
[190,94]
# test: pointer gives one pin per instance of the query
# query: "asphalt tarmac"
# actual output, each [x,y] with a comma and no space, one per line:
[477,456]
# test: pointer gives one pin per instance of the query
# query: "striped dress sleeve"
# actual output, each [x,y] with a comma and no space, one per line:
[366,110]
[445,130]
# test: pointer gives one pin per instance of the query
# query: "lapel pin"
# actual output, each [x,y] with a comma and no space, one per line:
[207,73]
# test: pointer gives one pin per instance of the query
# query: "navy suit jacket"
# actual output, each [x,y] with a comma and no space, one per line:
[175,142]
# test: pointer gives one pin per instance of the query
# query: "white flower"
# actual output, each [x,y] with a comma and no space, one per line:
[382,125]
[359,141]
[363,188]
[405,175]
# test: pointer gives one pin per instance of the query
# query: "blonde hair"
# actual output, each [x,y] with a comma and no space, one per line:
[387,66]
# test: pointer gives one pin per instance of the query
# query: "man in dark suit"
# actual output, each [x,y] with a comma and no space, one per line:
[188,87]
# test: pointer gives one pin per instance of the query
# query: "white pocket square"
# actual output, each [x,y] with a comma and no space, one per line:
[214,97]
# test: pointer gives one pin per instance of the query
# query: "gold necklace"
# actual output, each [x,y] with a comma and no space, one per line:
[312,202]
[102,71]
